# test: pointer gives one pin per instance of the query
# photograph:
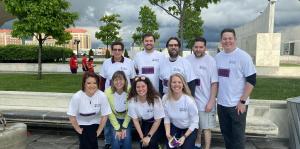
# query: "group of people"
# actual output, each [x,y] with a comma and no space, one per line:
[87,64]
[170,101]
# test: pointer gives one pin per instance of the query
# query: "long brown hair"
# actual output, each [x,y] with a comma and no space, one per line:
[151,94]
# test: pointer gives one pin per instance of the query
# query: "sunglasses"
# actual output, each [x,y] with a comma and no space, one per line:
[139,78]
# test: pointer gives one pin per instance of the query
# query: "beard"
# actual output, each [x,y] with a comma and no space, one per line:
[199,54]
[173,54]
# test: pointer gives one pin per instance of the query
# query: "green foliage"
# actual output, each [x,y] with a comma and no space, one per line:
[176,9]
[28,54]
[192,27]
[148,24]
[41,18]
[109,32]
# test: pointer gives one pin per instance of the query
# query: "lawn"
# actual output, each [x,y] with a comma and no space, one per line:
[266,88]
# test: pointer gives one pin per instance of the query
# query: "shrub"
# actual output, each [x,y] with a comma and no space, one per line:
[29,53]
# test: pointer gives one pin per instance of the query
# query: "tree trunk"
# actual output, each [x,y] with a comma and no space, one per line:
[40,49]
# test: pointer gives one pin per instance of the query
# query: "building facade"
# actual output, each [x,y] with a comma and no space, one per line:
[6,38]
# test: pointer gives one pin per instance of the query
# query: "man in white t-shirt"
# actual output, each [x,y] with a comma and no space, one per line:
[116,63]
[205,69]
[147,61]
[175,64]
[237,78]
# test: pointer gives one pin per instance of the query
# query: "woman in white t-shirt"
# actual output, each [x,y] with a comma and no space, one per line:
[89,107]
[181,120]
[146,110]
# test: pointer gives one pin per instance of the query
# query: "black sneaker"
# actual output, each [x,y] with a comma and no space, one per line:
[107,146]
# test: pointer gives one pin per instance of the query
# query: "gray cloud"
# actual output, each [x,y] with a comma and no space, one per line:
[227,13]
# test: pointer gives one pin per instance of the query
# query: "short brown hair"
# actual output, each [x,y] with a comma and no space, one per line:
[86,75]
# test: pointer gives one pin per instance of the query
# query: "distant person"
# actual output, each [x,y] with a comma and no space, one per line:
[84,63]
[111,65]
[119,119]
[175,64]
[146,110]
[73,64]
[181,120]
[91,53]
[88,111]
[90,65]
[237,78]
[206,90]
[147,61]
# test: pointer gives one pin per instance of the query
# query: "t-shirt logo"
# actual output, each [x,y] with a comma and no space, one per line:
[223,72]
[155,60]
[147,70]
[149,110]
[182,109]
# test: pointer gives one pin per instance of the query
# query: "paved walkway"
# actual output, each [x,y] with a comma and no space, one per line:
[67,139]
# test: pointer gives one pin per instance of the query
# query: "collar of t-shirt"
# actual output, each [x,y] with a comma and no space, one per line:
[113,60]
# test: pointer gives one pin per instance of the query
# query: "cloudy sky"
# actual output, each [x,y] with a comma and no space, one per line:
[227,13]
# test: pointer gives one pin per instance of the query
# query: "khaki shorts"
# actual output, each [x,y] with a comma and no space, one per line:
[207,120]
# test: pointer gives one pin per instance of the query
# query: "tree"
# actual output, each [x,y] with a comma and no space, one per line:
[107,53]
[192,27]
[41,19]
[175,8]
[126,53]
[148,24]
[110,31]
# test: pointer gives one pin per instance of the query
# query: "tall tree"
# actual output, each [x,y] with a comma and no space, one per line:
[148,24]
[41,19]
[109,32]
[175,8]
[192,27]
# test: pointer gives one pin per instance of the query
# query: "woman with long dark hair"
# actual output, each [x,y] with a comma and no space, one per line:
[145,105]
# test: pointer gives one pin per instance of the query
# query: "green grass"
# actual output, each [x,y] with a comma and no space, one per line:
[266,88]
[65,83]
[289,65]
[276,88]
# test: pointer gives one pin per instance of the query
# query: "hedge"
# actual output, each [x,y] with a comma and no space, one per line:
[29,54]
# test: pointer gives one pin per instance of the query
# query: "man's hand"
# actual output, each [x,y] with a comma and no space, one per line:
[241,108]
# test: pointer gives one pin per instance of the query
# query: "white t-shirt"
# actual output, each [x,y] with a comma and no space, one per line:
[137,109]
[206,71]
[88,110]
[233,68]
[147,65]
[182,113]
[167,68]
[120,101]
[108,69]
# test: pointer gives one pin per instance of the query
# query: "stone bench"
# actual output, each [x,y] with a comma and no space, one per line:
[49,109]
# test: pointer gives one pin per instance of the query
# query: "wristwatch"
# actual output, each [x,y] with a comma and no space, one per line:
[242,101]
[149,135]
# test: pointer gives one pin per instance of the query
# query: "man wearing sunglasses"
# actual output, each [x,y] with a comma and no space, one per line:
[116,63]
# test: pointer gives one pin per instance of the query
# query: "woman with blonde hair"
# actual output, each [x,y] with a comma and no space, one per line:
[181,120]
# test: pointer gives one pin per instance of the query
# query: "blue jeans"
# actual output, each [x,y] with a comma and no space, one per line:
[189,142]
[108,130]
[124,143]
[232,127]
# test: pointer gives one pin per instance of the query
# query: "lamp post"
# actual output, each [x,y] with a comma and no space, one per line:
[77,41]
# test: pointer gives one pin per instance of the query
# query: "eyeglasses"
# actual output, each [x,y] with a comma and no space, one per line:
[120,50]
[139,78]
[173,45]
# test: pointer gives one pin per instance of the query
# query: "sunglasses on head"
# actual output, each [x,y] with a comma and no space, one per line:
[140,78]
